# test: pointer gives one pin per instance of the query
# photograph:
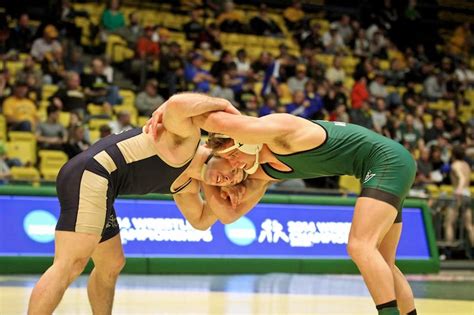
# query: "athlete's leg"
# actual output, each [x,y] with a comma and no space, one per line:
[450,221]
[388,248]
[467,217]
[72,252]
[108,260]
[371,222]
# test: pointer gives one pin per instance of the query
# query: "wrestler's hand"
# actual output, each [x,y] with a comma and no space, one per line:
[156,119]
[233,193]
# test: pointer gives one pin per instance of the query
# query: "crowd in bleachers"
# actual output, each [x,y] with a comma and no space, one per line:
[59,80]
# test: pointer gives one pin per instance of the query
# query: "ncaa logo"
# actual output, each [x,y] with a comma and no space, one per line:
[39,225]
[242,232]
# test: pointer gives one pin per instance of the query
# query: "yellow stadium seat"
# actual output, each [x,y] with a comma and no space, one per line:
[428,118]
[3,128]
[50,174]
[384,64]
[13,67]
[447,189]
[25,174]
[94,109]
[433,190]
[95,123]
[349,184]
[419,88]
[348,82]
[51,160]
[48,90]
[94,135]
[25,151]
[64,118]
[285,93]
[21,136]
[128,97]
[324,59]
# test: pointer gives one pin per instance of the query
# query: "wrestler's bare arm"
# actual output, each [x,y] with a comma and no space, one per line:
[223,208]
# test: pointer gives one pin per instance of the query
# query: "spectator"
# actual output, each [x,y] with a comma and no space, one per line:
[378,45]
[251,107]
[362,116]
[45,44]
[332,41]
[435,131]
[242,62]
[388,16]
[194,73]
[20,111]
[77,142]
[424,168]
[50,134]
[461,41]
[396,74]
[377,87]
[336,73]
[294,15]
[211,36]
[261,65]
[133,31]
[104,131]
[411,98]
[53,66]
[71,97]
[465,76]
[147,52]
[315,101]
[301,106]
[74,61]
[171,70]
[222,65]
[148,100]
[31,75]
[97,87]
[122,123]
[334,96]
[230,20]
[269,106]
[112,19]
[146,46]
[246,93]
[379,115]
[344,28]
[262,24]
[21,36]
[435,87]
[311,39]
[297,83]
[340,114]
[361,44]
[194,27]
[359,92]
[223,89]
[408,135]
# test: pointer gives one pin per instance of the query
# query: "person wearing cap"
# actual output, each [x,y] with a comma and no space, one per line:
[195,74]
[283,146]
[297,82]
[19,110]
[46,44]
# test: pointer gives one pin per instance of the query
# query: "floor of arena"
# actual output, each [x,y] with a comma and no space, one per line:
[445,293]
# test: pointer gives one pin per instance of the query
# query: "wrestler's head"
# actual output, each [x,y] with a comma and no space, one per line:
[219,172]
[239,155]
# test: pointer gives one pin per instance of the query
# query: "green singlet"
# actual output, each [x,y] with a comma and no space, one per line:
[385,168]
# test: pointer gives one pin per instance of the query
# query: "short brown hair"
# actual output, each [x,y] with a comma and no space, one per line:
[215,142]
